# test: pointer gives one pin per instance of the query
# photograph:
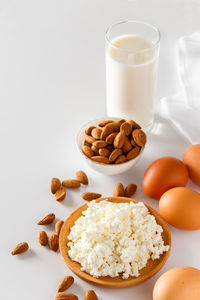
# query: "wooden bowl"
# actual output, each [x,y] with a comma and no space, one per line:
[151,268]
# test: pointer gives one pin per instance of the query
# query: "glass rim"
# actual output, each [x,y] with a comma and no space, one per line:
[154,45]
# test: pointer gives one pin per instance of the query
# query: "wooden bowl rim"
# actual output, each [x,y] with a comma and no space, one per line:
[116,282]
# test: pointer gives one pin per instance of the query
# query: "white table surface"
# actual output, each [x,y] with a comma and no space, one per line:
[52,80]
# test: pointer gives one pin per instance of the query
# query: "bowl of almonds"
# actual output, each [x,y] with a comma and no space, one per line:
[111,146]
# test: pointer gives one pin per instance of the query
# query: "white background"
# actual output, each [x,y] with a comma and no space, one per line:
[52,81]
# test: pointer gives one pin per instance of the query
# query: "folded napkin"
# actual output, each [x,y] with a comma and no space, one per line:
[183,109]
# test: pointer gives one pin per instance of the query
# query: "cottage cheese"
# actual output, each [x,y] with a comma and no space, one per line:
[112,238]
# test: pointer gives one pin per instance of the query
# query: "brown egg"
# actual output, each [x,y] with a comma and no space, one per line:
[181,283]
[164,174]
[180,207]
[191,158]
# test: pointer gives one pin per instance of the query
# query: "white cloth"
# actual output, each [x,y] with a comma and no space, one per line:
[183,109]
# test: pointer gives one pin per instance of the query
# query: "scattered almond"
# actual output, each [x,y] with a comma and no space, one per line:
[121,159]
[65,283]
[139,137]
[130,190]
[71,183]
[133,153]
[54,242]
[118,190]
[87,151]
[89,139]
[42,238]
[20,248]
[119,140]
[115,153]
[126,128]
[104,123]
[55,185]
[60,194]
[90,295]
[48,219]
[104,152]
[82,177]
[96,133]
[101,159]
[90,196]
[65,296]
[89,130]
[100,144]
[58,226]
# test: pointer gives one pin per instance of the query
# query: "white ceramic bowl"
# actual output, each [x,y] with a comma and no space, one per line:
[111,169]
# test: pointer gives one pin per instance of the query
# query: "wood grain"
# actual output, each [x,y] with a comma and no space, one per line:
[151,268]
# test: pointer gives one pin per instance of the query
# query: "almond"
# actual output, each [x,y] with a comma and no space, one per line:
[65,283]
[133,143]
[101,159]
[60,194]
[95,150]
[89,130]
[99,144]
[133,153]
[109,128]
[115,153]
[90,196]
[111,137]
[48,219]
[71,183]
[130,190]
[121,159]
[87,151]
[121,121]
[82,177]
[89,139]
[126,128]
[139,137]
[119,140]
[87,144]
[90,295]
[127,145]
[20,248]
[104,152]
[58,226]
[65,296]
[42,238]
[110,147]
[118,190]
[55,185]
[96,133]
[54,242]
[134,124]
[104,123]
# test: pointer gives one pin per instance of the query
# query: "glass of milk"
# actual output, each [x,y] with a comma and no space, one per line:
[132,51]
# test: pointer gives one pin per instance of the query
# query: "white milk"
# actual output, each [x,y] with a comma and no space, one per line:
[131,77]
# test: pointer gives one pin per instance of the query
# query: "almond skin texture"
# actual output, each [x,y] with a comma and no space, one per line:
[104,123]
[99,144]
[87,151]
[119,140]
[48,219]
[65,296]
[89,130]
[127,145]
[71,183]
[96,133]
[121,159]
[130,190]
[89,139]
[109,128]
[55,185]
[54,242]
[65,283]
[118,190]
[90,196]
[60,194]
[115,153]
[20,248]
[42,238]
[139,137]
[111,137]
[90,295]
[133,153]
[82,177]
[126,128]
[58,226]
[101,159]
